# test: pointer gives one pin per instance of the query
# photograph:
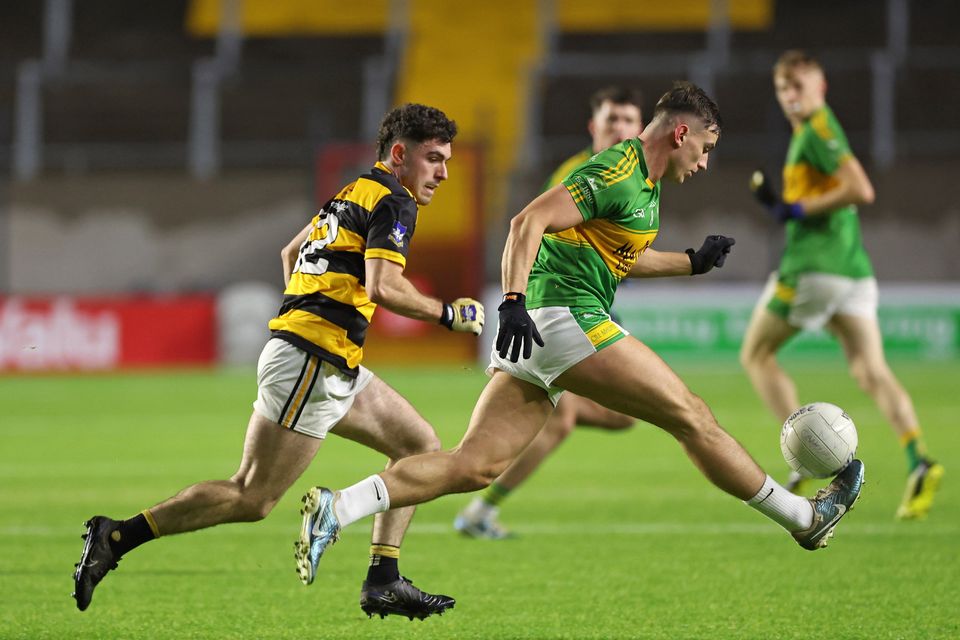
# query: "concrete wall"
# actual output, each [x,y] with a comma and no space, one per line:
[165,232]
[146,232]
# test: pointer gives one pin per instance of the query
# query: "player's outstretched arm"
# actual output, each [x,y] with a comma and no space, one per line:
[387,286]
[661,264]
[658,264]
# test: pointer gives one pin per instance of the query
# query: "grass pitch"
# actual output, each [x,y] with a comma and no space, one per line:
[619,536]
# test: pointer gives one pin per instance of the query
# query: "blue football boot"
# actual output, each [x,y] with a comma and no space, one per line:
[320,529]
[830,504]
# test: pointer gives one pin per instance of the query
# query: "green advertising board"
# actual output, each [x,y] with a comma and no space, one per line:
[922,322]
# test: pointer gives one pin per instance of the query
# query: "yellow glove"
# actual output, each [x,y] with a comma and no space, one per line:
[463,314]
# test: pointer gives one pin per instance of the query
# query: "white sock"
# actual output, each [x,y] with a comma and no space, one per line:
[480,509]
[790,511]
[363,499]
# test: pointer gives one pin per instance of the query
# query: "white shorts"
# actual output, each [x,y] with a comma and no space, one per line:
[820,296]
[569,336]
[299,391]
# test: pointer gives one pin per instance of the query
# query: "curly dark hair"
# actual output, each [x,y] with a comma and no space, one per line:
[413,123]
[686,97]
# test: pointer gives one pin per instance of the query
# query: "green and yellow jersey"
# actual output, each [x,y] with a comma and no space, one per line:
[830,242]
[325,308]
[567,168]
[582,266]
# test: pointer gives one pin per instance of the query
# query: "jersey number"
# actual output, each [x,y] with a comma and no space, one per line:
[309,260]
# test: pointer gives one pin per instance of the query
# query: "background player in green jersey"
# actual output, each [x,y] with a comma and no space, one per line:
[348,259]
[615,116]
[564,256]
[825,277]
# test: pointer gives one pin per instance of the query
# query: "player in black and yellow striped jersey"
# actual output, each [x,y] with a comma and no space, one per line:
[326,309]
[310,379]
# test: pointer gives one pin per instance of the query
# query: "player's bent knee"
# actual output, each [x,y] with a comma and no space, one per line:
[427,442]
[867,378]
[473,473]
[618,421]
[252,508]
[753,358]
[560,426]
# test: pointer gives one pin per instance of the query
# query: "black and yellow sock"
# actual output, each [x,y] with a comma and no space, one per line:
[913,446]
[384,564]
[133,532]
[495,494]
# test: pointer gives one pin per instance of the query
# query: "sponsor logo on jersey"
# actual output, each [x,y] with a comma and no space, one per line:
[596,184]
[397,233]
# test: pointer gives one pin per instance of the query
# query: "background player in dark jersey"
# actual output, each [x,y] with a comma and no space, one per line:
[615,116]
[565,255]
[825,277]
[347,260]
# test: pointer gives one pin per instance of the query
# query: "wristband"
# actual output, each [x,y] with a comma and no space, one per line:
[446,316]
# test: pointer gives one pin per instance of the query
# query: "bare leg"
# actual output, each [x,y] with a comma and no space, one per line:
[649,390]
[273,459]
[571,411]
[766,334]
[557,428]
[592,414]
[384,421]
[863,346]
[508,415]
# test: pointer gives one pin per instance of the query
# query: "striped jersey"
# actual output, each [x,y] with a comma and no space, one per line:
[830,242]
[325,308]
[582,266]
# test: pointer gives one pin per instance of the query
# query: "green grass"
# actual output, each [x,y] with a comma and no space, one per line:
[620,537]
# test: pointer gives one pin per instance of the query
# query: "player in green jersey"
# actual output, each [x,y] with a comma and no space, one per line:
[825,277]
[615,117]
[565,254]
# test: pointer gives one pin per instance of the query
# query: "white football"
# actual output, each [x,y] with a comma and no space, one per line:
[818,440]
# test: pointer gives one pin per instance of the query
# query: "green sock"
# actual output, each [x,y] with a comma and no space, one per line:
[495,494]
[913,447]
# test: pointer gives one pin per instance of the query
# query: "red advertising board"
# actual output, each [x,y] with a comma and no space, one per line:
[67,333]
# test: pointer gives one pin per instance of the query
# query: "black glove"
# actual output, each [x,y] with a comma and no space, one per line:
[517,327]
[713,253]
[766,195]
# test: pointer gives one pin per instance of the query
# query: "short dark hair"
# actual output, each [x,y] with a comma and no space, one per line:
[414,123]
[793,58]
[617,95]
[686,97]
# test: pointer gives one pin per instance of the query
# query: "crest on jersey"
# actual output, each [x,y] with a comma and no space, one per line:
[397,233]
[596,184]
